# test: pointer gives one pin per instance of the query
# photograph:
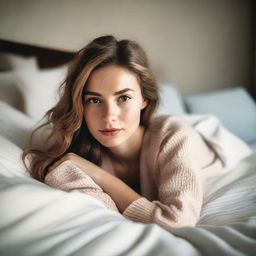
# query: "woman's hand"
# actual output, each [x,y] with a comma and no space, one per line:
[91,169]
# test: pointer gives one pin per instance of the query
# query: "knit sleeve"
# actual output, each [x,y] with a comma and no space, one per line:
[179,186]
[68,177]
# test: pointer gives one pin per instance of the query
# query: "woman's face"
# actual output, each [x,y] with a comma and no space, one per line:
[113,104]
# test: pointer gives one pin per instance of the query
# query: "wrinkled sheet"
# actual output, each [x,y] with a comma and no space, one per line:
[36,219]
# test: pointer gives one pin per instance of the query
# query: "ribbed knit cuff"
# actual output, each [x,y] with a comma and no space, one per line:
[68,177]
[140,210]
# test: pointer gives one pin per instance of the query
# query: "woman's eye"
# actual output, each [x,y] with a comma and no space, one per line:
[94,100]
[124,98]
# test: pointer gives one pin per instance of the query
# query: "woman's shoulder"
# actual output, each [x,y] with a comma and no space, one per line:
[167,123]
[169,129]
[166,135]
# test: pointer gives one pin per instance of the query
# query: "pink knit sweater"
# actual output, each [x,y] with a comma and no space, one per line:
[174,164]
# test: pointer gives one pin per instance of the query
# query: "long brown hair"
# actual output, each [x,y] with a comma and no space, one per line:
[68,130]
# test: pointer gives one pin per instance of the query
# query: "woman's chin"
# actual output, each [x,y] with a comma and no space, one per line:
[110,143]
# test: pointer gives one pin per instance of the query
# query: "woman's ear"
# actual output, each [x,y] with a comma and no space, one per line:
[144,104]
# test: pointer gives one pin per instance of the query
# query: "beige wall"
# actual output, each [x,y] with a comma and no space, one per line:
[198,45]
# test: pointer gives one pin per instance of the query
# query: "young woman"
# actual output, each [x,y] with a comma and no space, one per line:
[105,142]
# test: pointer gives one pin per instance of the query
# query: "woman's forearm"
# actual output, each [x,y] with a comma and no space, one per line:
[119,191]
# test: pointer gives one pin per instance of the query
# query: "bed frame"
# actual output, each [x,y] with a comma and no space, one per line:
[46,57]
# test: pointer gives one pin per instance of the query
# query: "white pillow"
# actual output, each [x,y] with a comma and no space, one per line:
[12,61]
[10,159]
[9,91]
[40,90]
[15,125]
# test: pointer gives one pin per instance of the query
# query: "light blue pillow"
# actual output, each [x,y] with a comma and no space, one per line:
[252,146]
[171,101]
[234,107]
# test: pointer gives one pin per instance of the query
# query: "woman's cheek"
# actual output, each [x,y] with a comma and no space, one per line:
[132,111]
[89,115]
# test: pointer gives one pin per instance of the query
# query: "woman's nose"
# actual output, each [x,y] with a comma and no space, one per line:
[110,112]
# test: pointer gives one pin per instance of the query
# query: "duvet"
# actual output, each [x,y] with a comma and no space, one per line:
[36,219]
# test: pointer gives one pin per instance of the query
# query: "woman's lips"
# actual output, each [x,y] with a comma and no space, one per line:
[110,132]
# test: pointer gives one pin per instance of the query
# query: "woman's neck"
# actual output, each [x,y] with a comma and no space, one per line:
[130,151]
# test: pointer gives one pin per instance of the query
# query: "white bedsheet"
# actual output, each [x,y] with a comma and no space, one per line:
[38,220]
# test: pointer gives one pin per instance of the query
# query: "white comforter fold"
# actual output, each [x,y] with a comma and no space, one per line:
[38,220]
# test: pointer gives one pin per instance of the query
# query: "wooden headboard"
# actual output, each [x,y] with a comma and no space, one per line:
[46,57]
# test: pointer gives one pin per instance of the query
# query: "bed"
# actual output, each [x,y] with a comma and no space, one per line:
[36,219]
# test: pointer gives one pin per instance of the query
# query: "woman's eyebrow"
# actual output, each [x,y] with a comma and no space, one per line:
[116,93]
[123,91]
[92,93]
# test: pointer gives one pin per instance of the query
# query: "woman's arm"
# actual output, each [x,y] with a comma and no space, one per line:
[121,193]
[68,177]
[178,163]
